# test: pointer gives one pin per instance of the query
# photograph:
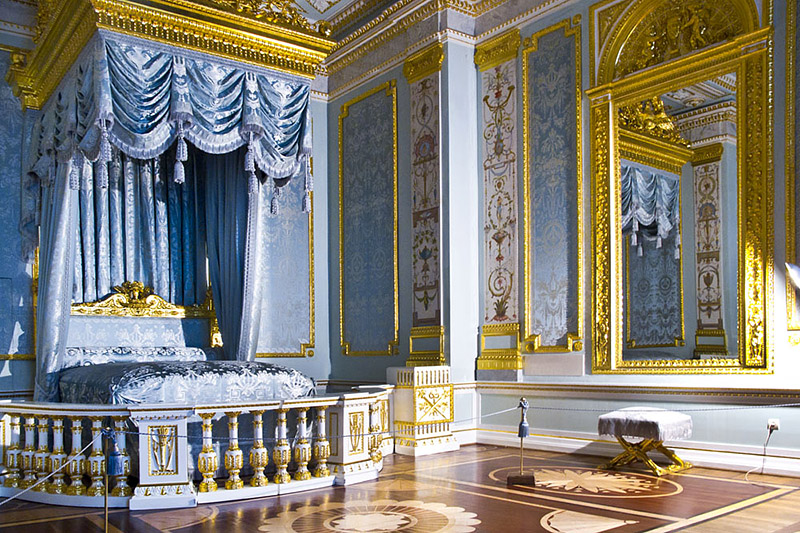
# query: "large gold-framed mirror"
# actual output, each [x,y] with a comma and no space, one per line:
[680,125]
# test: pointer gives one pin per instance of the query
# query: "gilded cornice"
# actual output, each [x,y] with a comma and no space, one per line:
[707,154]
[424,63]
[276,39]
[653,152]
[498,50]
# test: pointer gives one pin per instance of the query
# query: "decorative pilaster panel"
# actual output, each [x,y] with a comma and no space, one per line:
[496,59]
[422,70]
[368,272]
[287,330]
[792,163]
[552,189]
[708,237]
[606,288]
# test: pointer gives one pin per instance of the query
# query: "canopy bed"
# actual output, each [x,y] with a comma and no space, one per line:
[158,153]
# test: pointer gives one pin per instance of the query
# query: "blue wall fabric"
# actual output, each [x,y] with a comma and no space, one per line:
[553,189]
[369,302]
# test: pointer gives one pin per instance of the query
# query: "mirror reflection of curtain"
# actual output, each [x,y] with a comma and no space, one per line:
[652,277]
[142,227]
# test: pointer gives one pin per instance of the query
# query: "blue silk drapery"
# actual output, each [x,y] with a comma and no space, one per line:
[142,98]
[234,226]
[142,227]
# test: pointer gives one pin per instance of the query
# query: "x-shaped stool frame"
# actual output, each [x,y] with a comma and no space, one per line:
[637,451]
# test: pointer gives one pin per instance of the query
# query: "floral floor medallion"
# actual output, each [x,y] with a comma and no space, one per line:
[377,516]
[572,522]
[593,482]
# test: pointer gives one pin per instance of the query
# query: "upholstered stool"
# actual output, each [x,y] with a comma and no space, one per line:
[653,426]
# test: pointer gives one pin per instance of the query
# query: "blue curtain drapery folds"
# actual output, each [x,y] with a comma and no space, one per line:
[143,98]
[142,227]
[650,204]
[234,227]
[58,226]
[116,201]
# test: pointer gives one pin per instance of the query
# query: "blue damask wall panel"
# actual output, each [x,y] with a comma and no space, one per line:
[368,247]
[285,311]
[16,315]
[553,283]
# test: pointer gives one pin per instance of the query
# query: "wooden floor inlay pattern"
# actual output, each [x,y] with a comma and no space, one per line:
[466,491]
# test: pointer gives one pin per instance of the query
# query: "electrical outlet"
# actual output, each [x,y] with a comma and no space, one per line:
[774,424]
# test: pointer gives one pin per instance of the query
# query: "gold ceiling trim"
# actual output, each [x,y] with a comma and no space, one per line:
[498,50]
[135,299]
[278,41]
[424,63]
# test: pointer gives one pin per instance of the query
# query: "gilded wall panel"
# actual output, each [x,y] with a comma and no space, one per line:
[553,185]
[287,329]
[425,201]
[792,161]
[368,223]
[500,204]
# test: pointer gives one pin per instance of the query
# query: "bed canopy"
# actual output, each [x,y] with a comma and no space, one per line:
[131,106]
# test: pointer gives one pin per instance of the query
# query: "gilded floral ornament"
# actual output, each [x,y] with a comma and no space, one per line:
[674,29]
[650,118]
[282,12]
[134,298]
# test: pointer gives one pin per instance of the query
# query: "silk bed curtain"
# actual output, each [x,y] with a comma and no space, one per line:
[129,107]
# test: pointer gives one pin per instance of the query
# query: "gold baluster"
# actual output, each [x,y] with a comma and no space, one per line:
[28,453]
[121,487]
[282,453]
[207,462]
[96,465]
[57,458]
[42,454]
[259,456]
[302,450]
[234,457]
[322,448]
[13,452]
[375,437]
[77,462]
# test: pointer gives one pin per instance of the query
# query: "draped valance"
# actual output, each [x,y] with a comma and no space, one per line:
[142,97]
[650,204]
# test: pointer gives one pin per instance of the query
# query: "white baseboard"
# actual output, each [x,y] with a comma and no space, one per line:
[710,455]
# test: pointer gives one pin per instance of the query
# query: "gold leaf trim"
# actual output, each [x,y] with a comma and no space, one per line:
[498,50]
[135,299]
[424,63]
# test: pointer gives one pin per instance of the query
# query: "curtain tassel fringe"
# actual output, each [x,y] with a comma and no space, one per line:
[74,173]
[252,183]
[307,202]
[181,155]
[639,251]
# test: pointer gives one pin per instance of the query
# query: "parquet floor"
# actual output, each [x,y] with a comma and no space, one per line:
[466,491]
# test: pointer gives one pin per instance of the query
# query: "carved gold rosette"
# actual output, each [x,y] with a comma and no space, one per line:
[269,33]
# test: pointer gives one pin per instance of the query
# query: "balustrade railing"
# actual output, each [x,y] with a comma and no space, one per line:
[58,451]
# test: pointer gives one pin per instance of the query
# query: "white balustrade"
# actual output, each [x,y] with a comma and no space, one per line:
[336,439]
